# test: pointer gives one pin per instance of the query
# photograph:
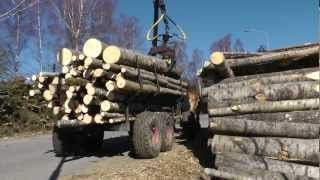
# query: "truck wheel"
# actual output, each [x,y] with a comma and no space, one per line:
[167,137]
[146,135]
[61,142]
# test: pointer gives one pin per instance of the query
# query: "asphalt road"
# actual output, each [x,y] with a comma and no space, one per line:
[32,158]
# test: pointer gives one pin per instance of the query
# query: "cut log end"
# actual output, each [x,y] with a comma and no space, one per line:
[47,95]
[98,73]
[217,58]
[105,106]
[87,119]
[91,91]
[110,85]
[111,54]
[93,48]
[121,83]
[87,99]
[65,56]
[98,118]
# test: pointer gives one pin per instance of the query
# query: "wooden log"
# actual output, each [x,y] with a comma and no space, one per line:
[110,95]
[90,62]
[88,100]
[108,106]
[245,127]
[312,117]
[117,55]
[50,74]
[65,56]
[34,92]
[264,107]
[134,74]
[120,120]
[94,48]
[119,68]
[130,86]
[87,119]
[102,73]
[290,55]
[253,174]
[288,149]
[221,65]
[65,69]
[237,160]
[47,95]
[76,82]
[111,86]
[262,92]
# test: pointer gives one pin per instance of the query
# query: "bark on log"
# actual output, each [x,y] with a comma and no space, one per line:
[130,86]
[116,55]
[238,160]
[92,63]
[224,97]
[290,55]
[312,117]
[94,48]
[76,82]
[102,73]
[253,174]
[245,127]
[109,95]
[264,107]
[288,149]
[34,92]
[134,74]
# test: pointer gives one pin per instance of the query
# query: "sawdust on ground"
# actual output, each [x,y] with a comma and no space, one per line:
[180,163]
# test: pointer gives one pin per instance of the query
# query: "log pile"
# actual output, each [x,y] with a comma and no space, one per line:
[264,114]
[106,84]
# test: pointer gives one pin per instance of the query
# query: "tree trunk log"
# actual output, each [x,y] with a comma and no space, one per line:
[116,55]
[130,86]
[221,66]
[92,63]
[259,92]
[94,48]
[134,74]
[264,107]
[237,160]
[244,127]
[288,149]
[312,117]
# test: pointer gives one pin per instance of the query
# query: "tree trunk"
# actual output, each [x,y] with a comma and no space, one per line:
[264,107]
[221,66]
[94,48]
[244,127]
[312,117]
[116,55]
[130,86]
[288,149]
[237,160]
[224,97]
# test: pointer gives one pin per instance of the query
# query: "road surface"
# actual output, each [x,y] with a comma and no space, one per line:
[32,158]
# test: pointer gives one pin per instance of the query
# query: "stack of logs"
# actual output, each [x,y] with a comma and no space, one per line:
[264,114]
[107,84]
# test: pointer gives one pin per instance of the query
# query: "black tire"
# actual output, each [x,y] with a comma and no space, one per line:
[167,133]
[61,142]
[147,135]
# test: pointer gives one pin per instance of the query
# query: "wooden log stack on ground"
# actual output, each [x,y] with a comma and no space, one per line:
[107,84]
[265,116]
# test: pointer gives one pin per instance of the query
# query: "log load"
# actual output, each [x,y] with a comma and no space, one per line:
[288,149]
[237,160]
[245,127]
[102,83]
[291,58]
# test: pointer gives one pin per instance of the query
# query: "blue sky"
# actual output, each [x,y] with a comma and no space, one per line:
[288,22]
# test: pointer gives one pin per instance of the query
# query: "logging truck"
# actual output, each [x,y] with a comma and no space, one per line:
[106,87]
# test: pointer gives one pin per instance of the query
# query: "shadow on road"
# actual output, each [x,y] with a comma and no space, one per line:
[111,147]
